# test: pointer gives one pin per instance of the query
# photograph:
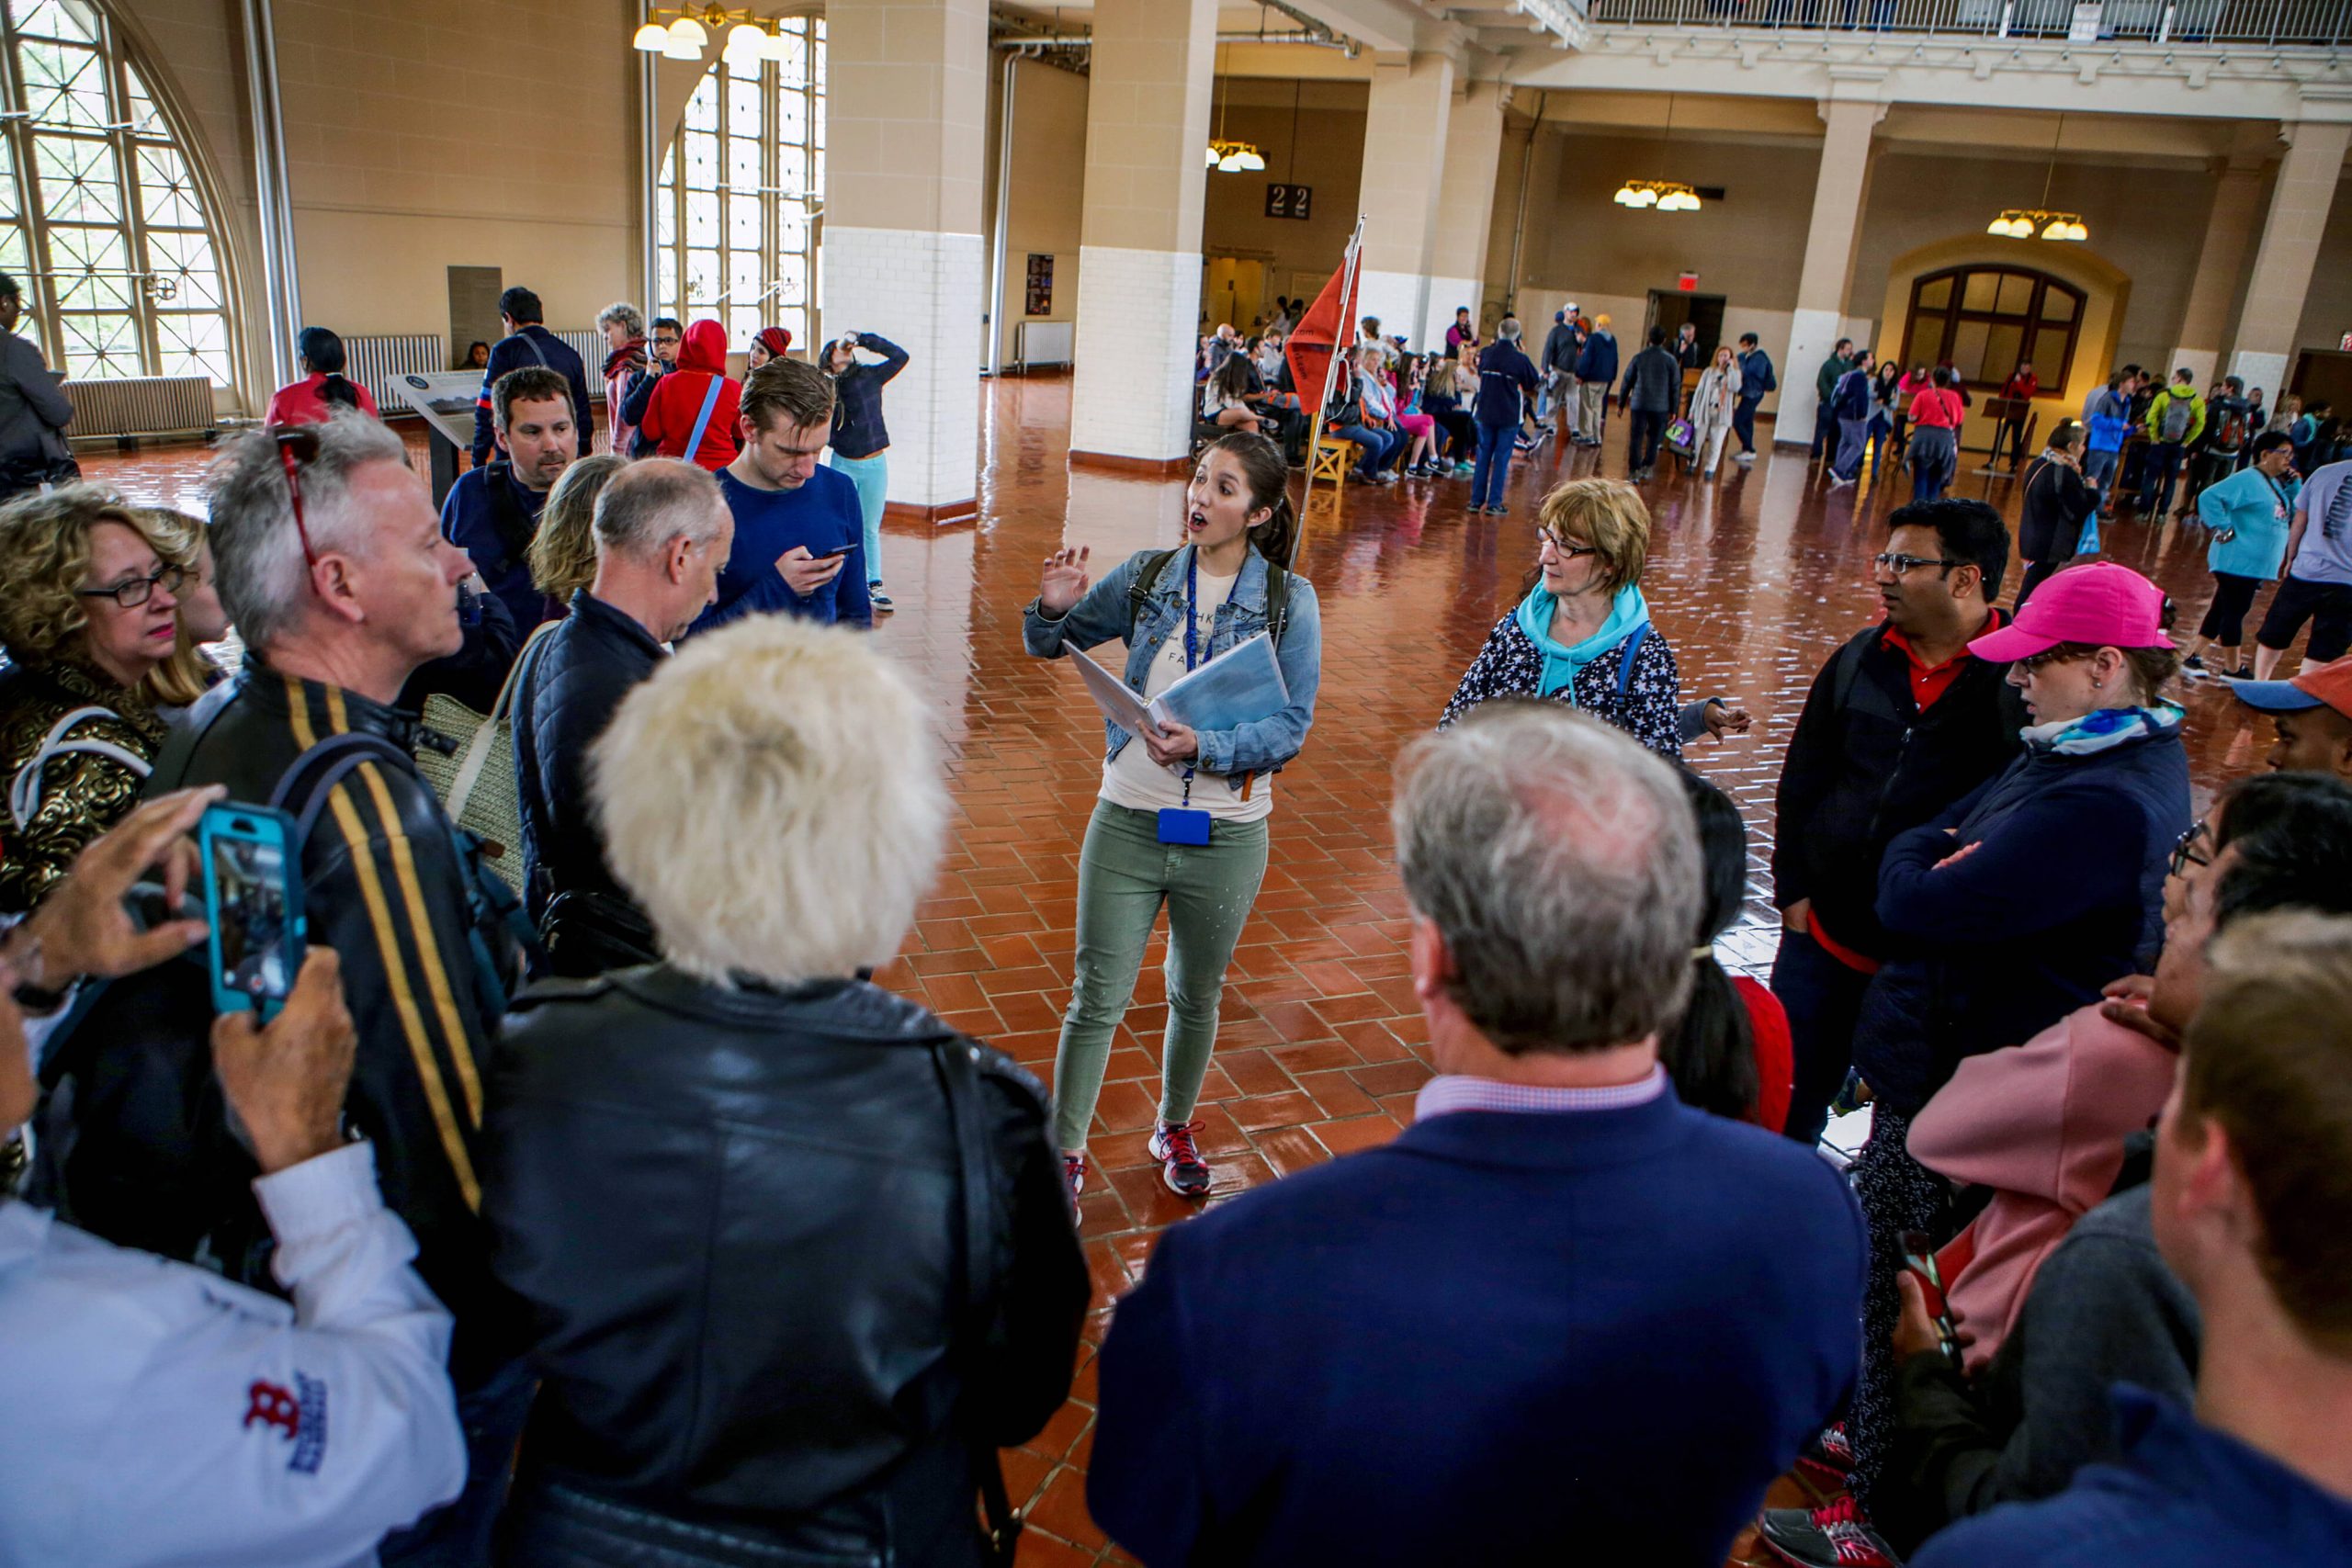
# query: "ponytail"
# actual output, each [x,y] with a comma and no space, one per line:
[1268,471]
[1711,1053]
[335,390]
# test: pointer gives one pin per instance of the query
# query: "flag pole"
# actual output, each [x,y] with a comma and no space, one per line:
[1339,346]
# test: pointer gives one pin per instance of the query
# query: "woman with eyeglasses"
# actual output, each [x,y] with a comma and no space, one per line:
[2022,903]
[1582,634]
[91,611]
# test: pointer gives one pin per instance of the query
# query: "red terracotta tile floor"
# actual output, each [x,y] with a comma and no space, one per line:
[1756,578]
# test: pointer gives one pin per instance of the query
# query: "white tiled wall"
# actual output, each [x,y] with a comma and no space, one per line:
[924,291]
[1138,313]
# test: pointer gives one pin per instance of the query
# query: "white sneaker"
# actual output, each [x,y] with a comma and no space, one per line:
[1745,460]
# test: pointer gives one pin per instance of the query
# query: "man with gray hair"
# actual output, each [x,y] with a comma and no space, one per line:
[1561,1316]
[662,533]
[333,567]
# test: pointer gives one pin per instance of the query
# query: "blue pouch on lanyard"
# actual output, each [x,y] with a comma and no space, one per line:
[1187,824]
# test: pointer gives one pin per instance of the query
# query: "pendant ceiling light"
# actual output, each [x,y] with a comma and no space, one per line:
[2027,223]
[1226,156]
[749,38]
[1662,196]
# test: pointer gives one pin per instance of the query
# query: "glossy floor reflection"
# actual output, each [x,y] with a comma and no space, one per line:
[1754,578]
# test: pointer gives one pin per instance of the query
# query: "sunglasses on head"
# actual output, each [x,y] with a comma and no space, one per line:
[297,445]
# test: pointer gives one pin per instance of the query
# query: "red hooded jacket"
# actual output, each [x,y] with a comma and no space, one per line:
[677,399]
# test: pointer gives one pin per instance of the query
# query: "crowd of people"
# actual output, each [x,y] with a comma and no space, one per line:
[600,1208]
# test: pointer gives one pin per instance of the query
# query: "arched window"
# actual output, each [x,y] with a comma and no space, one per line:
[1986,318]
[105,223]
[740,190]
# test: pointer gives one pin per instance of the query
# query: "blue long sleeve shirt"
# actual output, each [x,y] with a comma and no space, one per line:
[822,515]
[470,521]
[514,353]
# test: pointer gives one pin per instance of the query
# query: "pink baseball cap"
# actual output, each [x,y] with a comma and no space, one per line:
[2104,604]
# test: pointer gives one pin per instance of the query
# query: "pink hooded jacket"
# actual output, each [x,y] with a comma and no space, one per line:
[2044,1125]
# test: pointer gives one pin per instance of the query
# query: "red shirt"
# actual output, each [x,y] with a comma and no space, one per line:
[2023,385]
[1938,408]
[1930,682]
[300,404]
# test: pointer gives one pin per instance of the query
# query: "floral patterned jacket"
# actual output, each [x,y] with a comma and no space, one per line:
[1649,709]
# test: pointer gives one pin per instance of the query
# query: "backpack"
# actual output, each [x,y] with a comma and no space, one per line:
[2179,415]
[24,790]
[2232,434]
[1277,593]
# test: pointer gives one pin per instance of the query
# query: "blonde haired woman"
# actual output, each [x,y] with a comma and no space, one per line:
[90,613]
[1583,635]
[563,552]
[1712,402]
[190,672]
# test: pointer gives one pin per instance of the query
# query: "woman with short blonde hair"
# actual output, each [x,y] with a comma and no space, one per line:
[191,672]
[1582,635]
[90,613]
[563,552]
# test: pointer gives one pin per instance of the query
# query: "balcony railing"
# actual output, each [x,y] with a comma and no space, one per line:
[2279,23]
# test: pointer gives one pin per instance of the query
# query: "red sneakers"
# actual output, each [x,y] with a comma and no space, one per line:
[1074,1172]
[1186,1173]
[1836,1535]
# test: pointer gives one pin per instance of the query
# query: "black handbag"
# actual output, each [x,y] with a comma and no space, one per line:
[586,933]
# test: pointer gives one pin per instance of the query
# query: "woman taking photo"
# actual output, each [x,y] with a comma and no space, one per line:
[1582,635]
[861,441]
[91,611]
[1712,402]
[1182,816]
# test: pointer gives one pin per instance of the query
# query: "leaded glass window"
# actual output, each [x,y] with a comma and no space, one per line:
[741,186]
[101,219]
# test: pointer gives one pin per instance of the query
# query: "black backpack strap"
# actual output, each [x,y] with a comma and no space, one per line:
[1846,669]
[1277,602]
[170,768]
[958,1063]
[1139,591]
[304,787]
[507,519]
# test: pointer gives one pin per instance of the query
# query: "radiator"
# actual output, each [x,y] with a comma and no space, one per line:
[1047,343]
[376,362]
[592,348]
[141,405]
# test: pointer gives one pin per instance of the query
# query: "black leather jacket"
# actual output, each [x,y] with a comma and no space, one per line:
[736,1217]
[570,688]
[141,1150]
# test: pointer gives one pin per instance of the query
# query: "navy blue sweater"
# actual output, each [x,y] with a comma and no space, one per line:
[858,430]
[1599,360]
[1590,1336]
[2063,893]
[469,520]
[1505,375]
[513,353]
[822,515]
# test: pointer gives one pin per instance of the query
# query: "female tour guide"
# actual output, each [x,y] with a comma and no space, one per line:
[1182,815]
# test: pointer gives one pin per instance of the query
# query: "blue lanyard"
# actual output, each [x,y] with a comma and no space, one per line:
[1191,638]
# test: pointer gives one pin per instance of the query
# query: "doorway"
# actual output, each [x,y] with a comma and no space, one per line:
[2322,372]
[1670,307]
[1234,290]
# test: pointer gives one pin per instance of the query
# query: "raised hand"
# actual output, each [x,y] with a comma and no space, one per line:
[83,927]
[1064,582]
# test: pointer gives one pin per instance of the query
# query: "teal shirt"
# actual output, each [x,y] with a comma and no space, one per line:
[2260,511]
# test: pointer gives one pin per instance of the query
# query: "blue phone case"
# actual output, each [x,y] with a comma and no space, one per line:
[257,977]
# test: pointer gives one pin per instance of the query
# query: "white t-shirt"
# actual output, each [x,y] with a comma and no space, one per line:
[1132,779]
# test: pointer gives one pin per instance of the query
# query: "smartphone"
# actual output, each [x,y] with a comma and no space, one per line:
[836,554]
[253,897]
[1919,1258]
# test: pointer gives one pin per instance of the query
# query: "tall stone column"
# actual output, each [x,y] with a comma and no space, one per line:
[1139,231]
[1852,113]
[1404,173]
[2237,218]
[1466,207]
[2300,200]
[907,106]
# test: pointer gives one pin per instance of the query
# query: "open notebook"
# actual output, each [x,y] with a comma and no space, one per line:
[1240,686]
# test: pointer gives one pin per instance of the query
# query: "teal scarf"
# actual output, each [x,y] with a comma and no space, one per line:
[1626,610]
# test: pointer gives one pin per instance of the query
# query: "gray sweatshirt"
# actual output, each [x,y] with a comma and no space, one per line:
[32,405]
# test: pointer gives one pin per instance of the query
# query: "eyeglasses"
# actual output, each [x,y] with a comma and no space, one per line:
[2034,663]
[2185,849]
[132,592]
[1562,547]
[1898,563]
[298,445]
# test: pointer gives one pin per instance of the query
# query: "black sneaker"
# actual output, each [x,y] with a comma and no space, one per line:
[879,600]
[1837,1535]
[2194,661]
[1829,1458]
[1186,1173]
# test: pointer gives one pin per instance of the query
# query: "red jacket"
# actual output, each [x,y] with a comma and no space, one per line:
[300,403]
[677,399]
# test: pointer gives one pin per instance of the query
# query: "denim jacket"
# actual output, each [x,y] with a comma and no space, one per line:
[1101,617]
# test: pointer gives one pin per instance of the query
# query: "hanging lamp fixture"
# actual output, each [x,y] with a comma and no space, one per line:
[688,33]
[1662,196]
[1227,156]
[2027,223]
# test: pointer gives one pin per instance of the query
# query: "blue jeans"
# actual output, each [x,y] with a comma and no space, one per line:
[1494,464]
[1853,439]
[1743,421]
[1881,428]
[1822,998]
[1379,445]
[872,478]
[2099,466]
[2156,475]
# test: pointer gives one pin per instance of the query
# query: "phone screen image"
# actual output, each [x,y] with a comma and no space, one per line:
[251,917]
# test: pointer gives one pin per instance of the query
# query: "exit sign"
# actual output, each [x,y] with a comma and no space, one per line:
[1289,201]
[1688,283]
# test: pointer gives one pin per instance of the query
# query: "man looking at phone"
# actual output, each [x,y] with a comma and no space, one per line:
[799,527]
[334,566]
[662,533]
[157,1411]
